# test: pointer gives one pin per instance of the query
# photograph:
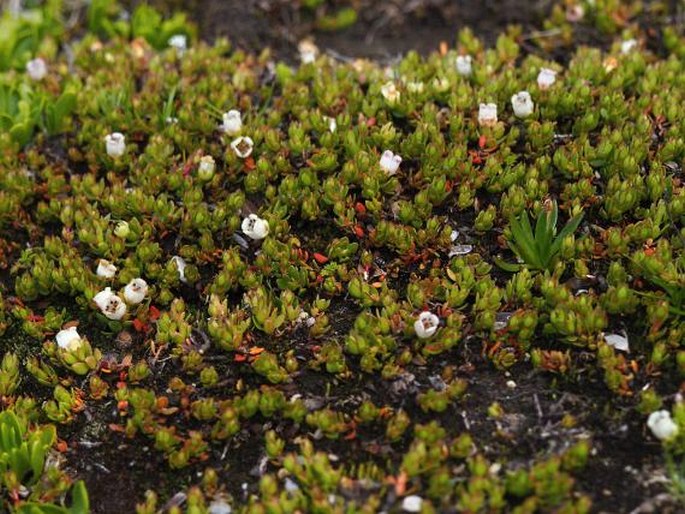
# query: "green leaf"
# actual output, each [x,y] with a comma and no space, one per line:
[79,499]
[568,229]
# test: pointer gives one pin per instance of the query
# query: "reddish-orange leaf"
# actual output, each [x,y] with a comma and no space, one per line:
[153,313]
[138,325]
[239,357]
[320,258]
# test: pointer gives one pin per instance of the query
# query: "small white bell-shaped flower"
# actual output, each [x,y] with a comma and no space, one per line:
[122,229]
[135,291]
[115,144]
[662,425]
[546,78]
[205,171]
[110,304]
[37,69]
[242,146]
[413,503]
[308,51]
[332,124]
[487,114]
[68,339]
[522,104]
[181,267]
[390,162]
[464,65]
[232,122]
[628,45]
[106,269]
[426,325]
[255,227]
[179,42]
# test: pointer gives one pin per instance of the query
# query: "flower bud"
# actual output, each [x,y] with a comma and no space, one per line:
[122,230]
[205,170]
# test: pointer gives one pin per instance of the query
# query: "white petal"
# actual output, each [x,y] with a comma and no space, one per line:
[106,269]
[135,291]
[412,503]
[662,425]
[617,341]
[68,339]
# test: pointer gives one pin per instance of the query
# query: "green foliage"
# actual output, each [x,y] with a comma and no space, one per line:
[21,36]
[538,249]
[145,22]
[23,449]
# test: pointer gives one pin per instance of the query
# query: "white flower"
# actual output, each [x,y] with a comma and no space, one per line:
[522,104]
[106,269]
[242,146]
[308,51]
[575,13]
[255,227]
[179,42]
[390,162]
[390,92]
[135,291]
[617,341]
[68,339]
[181,267]
[205,170]
[662,425]
[464,66]
[546,78]
[110,304]
[37,69]
[412,503]
[487,114]
[426,325]
[115,144]
[332,124]
[122,229]
[628,45]
[233,123]
[220,507]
